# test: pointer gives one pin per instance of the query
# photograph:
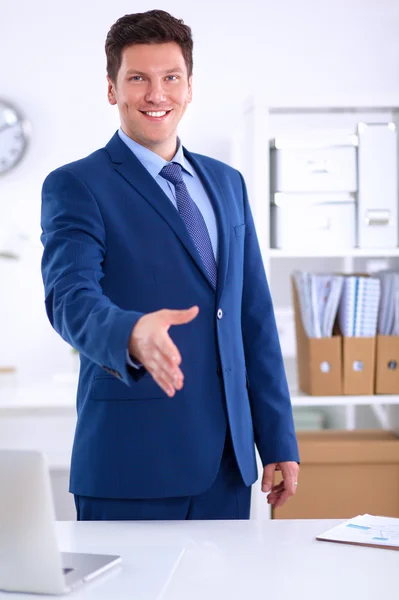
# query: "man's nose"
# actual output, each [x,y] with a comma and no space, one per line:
[155,93]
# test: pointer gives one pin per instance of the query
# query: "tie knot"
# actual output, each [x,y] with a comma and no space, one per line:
[172,172]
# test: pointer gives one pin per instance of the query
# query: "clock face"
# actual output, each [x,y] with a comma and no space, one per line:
[13,136]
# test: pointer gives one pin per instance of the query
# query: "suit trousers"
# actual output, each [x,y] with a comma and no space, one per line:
[227,498]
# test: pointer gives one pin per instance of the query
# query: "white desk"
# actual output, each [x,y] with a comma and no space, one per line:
[228,560]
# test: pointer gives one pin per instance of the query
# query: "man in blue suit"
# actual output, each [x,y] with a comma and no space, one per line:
[153,272]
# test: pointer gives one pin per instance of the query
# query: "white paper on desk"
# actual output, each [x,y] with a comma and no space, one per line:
[365,529]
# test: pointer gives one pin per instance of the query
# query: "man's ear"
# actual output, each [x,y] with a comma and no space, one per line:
[111,94]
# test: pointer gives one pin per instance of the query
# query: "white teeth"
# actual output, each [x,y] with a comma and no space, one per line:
[156,114]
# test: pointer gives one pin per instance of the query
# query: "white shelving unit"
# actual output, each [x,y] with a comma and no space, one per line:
[353,253]
[259,123]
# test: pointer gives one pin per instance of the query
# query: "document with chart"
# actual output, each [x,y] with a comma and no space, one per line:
[365,530]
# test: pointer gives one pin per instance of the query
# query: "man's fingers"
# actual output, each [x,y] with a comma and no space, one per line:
[163,384]
[180,317]
[288,484]
[278,497]
[267,479]
[169,351]
[173,377]
[275,493]
[290,472]
[149,336]
[282,499]
[281,492]
[278,488]
[167,359]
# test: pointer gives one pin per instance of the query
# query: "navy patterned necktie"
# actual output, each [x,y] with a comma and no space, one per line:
[193,219]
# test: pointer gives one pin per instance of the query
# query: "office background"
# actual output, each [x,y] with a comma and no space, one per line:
[52,65]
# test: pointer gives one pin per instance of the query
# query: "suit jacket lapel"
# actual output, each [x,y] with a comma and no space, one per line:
[131,169]
[217,197]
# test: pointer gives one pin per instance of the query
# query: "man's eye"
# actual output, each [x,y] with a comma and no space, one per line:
[136,78]
[172,77]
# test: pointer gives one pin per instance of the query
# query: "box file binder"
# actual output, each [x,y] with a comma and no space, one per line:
[329,366]
[357,320]
[358,356]
[387,364]
[319,364]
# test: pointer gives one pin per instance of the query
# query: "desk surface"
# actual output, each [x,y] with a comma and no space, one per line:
[228,560]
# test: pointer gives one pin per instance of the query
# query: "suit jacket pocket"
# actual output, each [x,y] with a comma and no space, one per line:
[239,230]
[110,388]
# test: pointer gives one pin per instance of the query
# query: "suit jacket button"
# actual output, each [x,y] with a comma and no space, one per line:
[220,314]
[219,372]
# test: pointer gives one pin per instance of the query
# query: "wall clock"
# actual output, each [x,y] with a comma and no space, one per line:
[13,136]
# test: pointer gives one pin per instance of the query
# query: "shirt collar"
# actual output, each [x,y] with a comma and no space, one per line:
[152,161]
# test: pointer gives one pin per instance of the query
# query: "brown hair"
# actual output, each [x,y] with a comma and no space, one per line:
[151,27]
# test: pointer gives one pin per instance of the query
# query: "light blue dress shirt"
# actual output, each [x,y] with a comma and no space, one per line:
[154,164]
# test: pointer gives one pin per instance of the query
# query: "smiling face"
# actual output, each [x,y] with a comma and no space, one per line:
[152,90]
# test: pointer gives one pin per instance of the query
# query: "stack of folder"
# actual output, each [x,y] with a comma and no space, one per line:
[388,315]
[358,307]
[364,305]
[318,296]
[336,319]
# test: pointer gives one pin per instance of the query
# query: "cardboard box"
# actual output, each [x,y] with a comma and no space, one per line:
[319,363]
[387,365]
[358,362]
[343,474]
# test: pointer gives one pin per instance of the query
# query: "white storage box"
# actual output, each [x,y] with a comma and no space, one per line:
[309,221]
[378,186]
[312,169]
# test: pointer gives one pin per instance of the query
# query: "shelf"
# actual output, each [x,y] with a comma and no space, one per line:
[39,396]
[299,398]
[348,253]
[322,105]
[328,108]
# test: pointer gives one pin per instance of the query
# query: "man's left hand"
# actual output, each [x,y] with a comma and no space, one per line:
[280,493]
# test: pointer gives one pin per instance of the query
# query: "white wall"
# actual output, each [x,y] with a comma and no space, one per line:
[52,65]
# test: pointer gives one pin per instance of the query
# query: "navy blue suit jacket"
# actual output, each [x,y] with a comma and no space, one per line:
[115,248]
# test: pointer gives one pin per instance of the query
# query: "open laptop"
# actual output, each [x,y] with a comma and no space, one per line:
[29,557]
